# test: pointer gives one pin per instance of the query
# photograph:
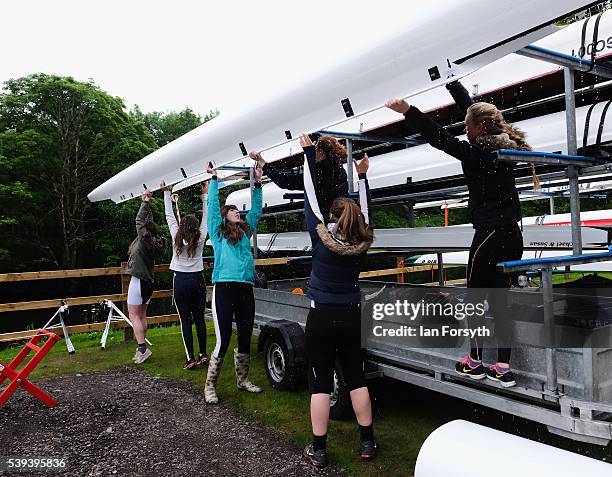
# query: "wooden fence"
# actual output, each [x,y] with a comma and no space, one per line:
[400,270]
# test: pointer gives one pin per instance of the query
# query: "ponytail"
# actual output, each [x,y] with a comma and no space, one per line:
[351,226]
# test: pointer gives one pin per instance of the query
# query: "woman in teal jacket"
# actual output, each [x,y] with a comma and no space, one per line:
[232,279]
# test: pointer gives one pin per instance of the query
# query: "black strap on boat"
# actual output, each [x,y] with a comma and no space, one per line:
[602,121]
[184,173]
[587,123]
[582,49]
[595,40]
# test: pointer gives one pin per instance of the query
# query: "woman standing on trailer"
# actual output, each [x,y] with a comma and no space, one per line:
[188,284]
[333,328]
[232,279]
[146,247]
[493,205]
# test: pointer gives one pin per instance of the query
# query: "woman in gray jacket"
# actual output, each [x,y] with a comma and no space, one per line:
[146,247]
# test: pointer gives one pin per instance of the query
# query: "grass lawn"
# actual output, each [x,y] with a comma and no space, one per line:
[404,415]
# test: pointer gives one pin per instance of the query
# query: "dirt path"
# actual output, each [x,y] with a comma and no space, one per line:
[126,423]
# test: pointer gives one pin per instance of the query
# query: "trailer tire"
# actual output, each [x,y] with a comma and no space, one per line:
[281,375]
[340,405]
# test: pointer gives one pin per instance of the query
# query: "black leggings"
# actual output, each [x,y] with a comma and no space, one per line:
[491,246]
[334,331]
[190,301]
[233,299]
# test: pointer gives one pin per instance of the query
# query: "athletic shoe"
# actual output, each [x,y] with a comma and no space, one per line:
[140,357]
[466,368]
[203,359]
[190,364]
[502,375]
[368,450]
[316,458]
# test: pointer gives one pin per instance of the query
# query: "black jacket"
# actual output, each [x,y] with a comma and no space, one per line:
[493,197]
[330,181]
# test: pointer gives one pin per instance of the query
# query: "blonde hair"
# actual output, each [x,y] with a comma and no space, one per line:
[494,123]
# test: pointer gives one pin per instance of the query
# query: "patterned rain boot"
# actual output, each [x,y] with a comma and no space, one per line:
[242,362]
[210,388]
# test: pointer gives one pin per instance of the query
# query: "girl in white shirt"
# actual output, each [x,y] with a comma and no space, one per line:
[188,283]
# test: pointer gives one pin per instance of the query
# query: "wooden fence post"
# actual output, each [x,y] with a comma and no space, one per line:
[128,333]
[400,264]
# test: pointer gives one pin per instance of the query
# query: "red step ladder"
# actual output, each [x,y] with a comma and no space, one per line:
[19,378]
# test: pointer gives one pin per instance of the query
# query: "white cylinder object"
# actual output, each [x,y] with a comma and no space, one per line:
[489,452]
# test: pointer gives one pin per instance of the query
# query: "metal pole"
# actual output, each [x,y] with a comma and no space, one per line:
[552,205]
[411,214]
[349,163]
[440,269]
[572,149]
[252,185]
[549,327]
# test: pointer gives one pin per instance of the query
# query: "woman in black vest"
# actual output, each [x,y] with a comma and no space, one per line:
[333,328]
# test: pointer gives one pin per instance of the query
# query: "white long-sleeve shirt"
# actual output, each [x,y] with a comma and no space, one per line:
[182,262]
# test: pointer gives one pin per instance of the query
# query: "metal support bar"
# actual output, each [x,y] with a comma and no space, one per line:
[368,138]
[252,186]
[568,61]
[349,165]
[552,205]
[411,214]
[440,269]
[233,168]
[536,157]
[549,325]
[572,149]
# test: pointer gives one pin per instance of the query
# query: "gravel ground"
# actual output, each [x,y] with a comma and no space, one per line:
[127,423]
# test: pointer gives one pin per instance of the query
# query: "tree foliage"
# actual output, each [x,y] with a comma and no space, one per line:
[59,139]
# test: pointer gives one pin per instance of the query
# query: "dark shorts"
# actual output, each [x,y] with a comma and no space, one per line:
[334,333]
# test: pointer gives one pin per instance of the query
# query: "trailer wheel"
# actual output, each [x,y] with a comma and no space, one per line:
[340,404]
[280,375]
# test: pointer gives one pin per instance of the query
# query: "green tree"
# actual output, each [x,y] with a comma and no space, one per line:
[58,138]
[166,127]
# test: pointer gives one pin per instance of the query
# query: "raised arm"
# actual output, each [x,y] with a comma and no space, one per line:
[214,208]
[144,215]
[170,218]
[365,200]
[460,95]
[204,221]
[256,201]
[285,179]
[311,206]
[437,136]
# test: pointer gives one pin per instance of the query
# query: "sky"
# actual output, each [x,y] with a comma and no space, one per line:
[168,55]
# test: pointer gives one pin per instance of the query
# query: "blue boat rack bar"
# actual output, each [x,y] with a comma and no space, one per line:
[537,157]
[568,61]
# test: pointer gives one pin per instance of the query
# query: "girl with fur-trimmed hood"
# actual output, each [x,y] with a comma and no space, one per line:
[333,327]
[494,209]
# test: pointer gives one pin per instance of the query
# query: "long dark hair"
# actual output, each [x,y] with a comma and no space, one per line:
[189,233]
[233,231]
[351,223]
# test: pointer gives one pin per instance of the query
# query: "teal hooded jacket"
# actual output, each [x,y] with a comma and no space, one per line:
[233,263]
